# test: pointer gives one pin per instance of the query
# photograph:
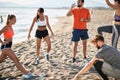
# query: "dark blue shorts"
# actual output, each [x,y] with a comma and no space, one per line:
[79,34]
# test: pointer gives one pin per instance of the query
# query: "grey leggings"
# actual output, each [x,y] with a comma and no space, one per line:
[115,29]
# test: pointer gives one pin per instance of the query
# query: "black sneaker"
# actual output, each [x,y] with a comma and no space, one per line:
[47,57]
[74,60]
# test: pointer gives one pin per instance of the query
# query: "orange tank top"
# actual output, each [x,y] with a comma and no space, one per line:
[9,33]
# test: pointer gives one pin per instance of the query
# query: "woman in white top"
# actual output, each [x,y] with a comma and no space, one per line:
[41,32]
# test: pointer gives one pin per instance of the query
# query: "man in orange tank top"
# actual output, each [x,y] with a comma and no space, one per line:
[81,17]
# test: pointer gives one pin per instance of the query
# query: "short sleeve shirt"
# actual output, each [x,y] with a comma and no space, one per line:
[110,55]
[78,14]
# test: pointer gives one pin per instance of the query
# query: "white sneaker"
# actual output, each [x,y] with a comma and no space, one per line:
[85,61]
[36,61]
[29,75]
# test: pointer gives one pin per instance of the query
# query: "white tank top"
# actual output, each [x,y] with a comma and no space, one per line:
[42,23]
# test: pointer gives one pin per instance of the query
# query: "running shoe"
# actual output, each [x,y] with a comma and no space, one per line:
[36,61]
[47,57]
[85,61]
[74,60]
[29,75]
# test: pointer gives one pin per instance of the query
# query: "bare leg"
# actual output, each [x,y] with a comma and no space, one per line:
[47,39]
[13,57]
[84,48]
[2,57]
[38,42]
[75,49]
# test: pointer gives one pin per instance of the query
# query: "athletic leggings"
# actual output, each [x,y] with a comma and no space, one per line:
[98,67]
[115,29]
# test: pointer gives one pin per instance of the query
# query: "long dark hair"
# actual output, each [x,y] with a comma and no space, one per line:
[118,1]
[41,10]
[10,16]
[82,1]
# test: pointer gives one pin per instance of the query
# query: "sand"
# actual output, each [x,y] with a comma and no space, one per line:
[60,66]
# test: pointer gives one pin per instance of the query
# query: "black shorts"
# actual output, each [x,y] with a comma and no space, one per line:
[41,34]
[9,45]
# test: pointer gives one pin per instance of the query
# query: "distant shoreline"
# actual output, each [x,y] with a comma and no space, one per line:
[61,7]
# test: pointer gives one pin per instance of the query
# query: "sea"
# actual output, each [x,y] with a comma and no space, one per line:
[25,15]
[24,20]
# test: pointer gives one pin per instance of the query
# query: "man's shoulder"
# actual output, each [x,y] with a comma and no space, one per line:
[86,9]
[106,48]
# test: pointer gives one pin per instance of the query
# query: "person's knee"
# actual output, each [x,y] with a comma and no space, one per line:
[76,43]
[99,30]
[84,42]
[98,65]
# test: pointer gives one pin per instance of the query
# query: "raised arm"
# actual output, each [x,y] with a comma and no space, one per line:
[114,6]
[69,13]
[34,20]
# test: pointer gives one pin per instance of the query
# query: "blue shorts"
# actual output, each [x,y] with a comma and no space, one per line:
[79,34]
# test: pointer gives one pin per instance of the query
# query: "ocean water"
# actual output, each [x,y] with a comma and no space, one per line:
[53,8]
[24,20]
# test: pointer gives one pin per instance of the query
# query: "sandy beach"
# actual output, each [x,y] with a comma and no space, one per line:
[60,66]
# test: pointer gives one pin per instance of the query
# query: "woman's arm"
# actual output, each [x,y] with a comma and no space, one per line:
[34,20]
[114,6]
[49,27]
[1,31]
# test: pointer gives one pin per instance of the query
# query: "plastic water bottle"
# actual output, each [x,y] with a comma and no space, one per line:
[41,76]
[74,5]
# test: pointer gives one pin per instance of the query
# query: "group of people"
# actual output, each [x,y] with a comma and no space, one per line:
[41,32]
[106,61]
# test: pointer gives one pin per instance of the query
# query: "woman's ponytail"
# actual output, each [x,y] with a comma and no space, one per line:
[9,18]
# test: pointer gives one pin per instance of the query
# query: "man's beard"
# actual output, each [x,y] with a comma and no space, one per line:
[79,5]
[97,47]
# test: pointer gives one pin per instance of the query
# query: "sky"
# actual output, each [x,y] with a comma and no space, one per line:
[52,3]
[22,1]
